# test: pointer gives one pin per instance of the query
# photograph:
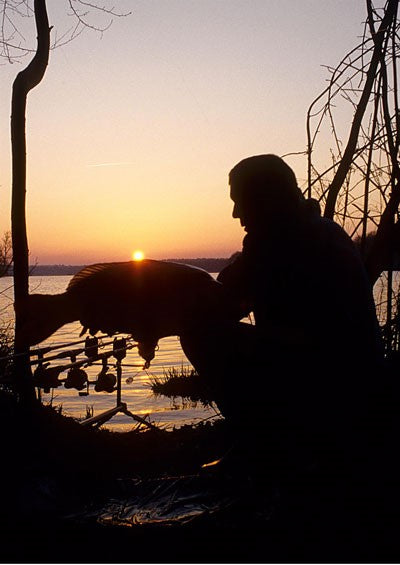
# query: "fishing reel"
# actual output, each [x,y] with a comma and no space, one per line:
[46,377]
[105,381]
[76,378]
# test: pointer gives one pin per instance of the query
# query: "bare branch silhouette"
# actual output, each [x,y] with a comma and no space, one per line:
[94,16]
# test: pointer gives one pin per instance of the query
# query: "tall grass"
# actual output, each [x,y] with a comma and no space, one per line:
[6,350]
[182,382]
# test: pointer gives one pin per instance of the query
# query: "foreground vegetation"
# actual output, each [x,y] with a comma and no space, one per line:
[55,468]
[183,382]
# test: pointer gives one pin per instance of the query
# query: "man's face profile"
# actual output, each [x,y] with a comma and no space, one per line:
[239,209]
[248,208]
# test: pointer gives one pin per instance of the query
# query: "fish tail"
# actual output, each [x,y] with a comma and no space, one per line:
[44,314]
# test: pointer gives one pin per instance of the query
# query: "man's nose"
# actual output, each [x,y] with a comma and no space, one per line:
[235,211]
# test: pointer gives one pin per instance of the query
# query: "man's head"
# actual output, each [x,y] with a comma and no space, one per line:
[264,189]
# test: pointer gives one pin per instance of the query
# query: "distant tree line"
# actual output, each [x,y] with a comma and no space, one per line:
[212,265]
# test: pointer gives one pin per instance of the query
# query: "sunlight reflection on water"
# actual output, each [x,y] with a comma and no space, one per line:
[138,395]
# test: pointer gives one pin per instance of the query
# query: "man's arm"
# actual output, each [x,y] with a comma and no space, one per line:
[235,282]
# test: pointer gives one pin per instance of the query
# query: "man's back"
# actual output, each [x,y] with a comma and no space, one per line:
[307,283]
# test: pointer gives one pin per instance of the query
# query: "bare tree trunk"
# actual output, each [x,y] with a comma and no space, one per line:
[25,81]
[380,256]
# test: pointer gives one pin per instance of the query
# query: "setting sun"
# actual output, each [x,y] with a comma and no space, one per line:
[138,255]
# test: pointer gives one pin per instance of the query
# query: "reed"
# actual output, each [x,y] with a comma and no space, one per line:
[6,349]
[182,382]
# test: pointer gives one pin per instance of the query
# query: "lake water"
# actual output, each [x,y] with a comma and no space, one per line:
[136,392]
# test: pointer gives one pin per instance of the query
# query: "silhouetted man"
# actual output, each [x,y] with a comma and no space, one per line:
[303,376]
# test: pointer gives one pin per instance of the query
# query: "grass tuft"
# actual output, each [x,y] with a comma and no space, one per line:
[182,382]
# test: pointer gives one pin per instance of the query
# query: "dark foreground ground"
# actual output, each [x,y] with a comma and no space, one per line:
[54,473]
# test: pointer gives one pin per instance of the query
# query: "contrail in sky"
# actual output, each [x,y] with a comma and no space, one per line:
[110,164]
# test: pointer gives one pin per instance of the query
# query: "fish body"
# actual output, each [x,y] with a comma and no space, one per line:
[147,299]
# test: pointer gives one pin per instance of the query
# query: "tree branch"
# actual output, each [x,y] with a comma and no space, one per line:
[348,153]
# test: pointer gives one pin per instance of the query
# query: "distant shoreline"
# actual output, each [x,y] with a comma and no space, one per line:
[212,265]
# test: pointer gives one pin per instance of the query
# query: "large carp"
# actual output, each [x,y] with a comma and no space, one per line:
[147,299]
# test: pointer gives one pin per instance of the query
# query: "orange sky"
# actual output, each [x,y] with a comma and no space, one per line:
[131,136]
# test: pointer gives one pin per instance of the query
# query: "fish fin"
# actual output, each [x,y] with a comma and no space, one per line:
[87,273]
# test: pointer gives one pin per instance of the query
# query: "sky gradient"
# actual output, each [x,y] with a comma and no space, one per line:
[131,135]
